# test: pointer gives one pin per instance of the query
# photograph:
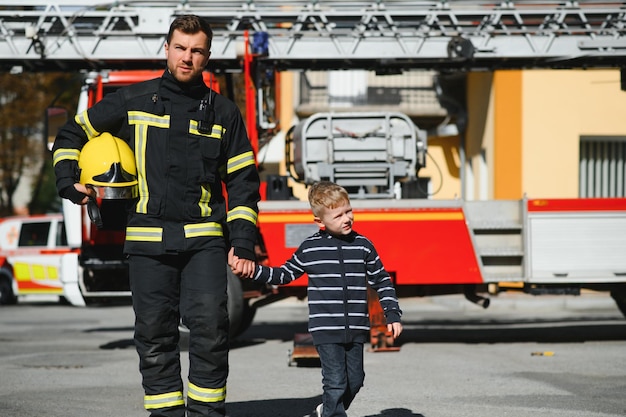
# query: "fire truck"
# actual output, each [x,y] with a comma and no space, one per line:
[430,247]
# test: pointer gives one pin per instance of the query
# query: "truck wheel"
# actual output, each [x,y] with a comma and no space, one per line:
[235,303]
[6,289]
[619,295]
[236,307]
[247,317]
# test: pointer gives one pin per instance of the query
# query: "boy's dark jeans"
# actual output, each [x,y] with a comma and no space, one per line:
[342,376]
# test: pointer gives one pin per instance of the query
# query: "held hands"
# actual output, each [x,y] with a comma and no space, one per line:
[243,268]
[395,329]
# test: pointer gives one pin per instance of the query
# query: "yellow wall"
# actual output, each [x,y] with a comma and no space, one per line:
[559,107]
[508,131]
[528,125]
[443,168]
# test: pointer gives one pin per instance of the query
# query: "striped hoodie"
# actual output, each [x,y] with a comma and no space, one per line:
[339,269]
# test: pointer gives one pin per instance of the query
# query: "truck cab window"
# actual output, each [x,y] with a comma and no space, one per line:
[34,234]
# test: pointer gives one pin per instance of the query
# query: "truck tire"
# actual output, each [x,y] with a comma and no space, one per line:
[248,316]
[619,296]
[237,307]
[6,288]
[235,303]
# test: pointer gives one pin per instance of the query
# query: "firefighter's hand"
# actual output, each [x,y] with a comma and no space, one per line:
[243,268]
[395,329]
[79,194]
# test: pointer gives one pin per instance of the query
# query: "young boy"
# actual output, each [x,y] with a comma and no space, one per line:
[339,263]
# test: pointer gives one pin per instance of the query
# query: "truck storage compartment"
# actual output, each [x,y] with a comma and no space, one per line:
[367,153]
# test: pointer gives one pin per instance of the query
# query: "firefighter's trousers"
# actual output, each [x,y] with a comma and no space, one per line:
[166,288]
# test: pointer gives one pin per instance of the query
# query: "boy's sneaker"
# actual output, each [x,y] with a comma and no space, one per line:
[317,412]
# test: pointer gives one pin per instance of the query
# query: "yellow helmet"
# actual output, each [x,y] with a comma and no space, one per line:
[107,164]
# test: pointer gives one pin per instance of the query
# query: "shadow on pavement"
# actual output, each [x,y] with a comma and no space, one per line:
[508,331]
[396,412]
[296,407]
[440,331]
[282,407]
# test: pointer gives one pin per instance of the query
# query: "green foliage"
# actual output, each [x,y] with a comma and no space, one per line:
[44,193]
[23,100]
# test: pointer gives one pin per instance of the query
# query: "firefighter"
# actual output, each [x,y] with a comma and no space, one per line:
[187,140]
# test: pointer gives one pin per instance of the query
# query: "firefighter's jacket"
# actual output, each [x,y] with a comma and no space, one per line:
[181,165]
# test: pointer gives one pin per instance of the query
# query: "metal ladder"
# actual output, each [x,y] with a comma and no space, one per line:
[497,228]
[317,34]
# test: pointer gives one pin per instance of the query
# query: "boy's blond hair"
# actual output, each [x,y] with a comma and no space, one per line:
[326,194]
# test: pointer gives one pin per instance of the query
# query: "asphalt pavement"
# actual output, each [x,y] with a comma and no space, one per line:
[557,356]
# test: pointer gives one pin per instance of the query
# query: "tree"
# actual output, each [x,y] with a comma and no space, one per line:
[44,193]
[23,100]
